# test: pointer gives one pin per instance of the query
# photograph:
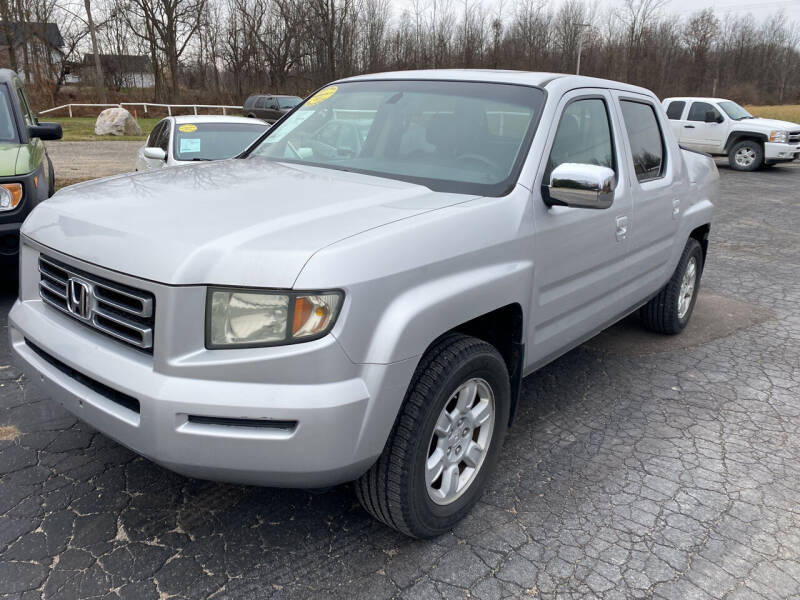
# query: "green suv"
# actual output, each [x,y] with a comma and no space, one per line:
[26,172]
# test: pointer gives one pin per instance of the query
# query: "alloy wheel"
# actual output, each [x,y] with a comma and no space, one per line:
[460,441]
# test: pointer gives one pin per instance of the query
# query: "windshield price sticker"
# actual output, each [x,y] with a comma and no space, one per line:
[190,145]
[187,128]
[322,95]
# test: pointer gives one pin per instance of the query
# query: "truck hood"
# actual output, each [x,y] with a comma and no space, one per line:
[771,124]
[250,222]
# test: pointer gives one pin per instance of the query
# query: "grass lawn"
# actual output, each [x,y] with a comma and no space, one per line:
[81,129]
[786,112]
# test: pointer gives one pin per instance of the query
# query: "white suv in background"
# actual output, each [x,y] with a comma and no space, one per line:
[723,128]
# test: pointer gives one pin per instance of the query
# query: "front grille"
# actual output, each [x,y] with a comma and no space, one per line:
[117,310]
[794,137]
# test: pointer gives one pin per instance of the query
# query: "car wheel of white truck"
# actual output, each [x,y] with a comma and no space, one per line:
[445,441]
[670,310]
[747,155]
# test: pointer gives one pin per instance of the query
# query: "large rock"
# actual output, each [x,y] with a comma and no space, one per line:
[116,121]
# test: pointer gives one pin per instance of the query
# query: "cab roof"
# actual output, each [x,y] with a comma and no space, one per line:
[696,98]
[551,81]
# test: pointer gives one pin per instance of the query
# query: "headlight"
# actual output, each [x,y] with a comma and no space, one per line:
[251,318]
[10,196]
[779,136]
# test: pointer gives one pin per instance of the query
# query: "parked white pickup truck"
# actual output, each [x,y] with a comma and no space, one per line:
[723,128]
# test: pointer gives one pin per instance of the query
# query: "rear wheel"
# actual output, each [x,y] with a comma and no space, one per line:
[670,311]
[747,155]
[445,442]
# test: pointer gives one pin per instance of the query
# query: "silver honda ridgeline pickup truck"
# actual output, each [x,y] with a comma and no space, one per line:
[359,294]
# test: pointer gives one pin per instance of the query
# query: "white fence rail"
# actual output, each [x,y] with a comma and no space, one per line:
[144,105]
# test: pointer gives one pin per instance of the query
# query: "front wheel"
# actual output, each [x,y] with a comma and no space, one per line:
[445,441]
[747,155]
[670,310]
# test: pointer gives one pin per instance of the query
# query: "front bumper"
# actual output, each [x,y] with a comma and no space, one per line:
[294,416]
[781,152]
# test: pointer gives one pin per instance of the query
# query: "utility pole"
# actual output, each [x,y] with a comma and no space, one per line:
[98,69]
[582,26]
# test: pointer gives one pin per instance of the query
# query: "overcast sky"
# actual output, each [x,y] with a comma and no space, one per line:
[760,9]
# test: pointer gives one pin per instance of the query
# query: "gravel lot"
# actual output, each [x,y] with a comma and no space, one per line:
[638,467]
[76,161]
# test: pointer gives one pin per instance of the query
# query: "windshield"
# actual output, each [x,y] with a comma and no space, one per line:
[464,137]
[8,127]
[734,111]
[214,141]
[288,101]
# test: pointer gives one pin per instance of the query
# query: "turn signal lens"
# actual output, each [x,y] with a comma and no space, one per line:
[313,314]
[780,137]
[10,196]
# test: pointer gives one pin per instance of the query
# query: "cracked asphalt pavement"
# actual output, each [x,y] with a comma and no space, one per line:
[638,467]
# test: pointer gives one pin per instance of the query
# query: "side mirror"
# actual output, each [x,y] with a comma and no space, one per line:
[45,131]
[712,117]
[155,153]
[580,185]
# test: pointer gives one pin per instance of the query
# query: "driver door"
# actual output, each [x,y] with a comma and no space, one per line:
[579,253]
[699,134]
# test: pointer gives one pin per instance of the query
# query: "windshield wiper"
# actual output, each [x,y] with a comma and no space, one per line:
[196,158]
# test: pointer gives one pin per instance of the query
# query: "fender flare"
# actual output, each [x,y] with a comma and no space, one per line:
[737,136]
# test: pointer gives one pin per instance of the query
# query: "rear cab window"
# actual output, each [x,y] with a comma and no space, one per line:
[646,139]
[675,109]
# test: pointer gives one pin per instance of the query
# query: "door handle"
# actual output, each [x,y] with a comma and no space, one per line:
[622,228]
[688,126]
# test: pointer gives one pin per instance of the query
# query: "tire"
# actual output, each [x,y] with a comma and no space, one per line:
[665,313]
[396,490]
[747,155]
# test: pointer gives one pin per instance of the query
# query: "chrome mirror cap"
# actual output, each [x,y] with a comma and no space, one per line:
[581,185]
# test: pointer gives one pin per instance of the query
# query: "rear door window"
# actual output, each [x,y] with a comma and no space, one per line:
[646,140]
[261,102]
[675,109]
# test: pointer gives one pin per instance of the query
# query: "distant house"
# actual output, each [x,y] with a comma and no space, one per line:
[120,70]
[39,45]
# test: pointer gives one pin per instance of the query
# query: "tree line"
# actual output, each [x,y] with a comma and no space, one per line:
[220,51]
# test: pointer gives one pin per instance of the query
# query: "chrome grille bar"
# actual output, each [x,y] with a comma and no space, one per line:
[116,310]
